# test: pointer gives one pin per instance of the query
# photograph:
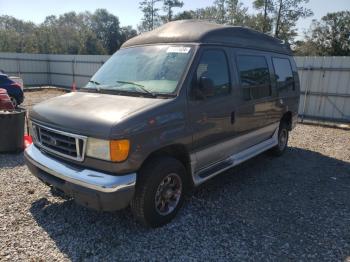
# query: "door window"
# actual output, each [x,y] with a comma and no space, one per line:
[213,65]
[283,74]
[255,76]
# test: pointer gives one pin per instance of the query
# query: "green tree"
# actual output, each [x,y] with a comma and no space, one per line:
[16,35]
[49,36]
[306,48]
[231,12]
[256,21]
[264,18]
[286,15]
[208,13]
[127,33]
[220,7]
[151,18]
[107,29]
[329,36]
[92,45]
[236,13]
[185,15]
[168,6]
[69,33]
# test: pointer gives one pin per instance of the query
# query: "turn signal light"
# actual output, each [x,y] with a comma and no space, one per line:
[119,150]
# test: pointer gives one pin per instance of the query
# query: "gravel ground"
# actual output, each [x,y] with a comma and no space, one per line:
[295,207]
[34,97]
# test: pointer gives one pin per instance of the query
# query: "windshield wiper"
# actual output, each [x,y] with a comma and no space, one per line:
[94,82]
[138,85]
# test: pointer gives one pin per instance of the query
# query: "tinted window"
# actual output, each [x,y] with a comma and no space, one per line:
[283,74]
[255,76]
[213,65]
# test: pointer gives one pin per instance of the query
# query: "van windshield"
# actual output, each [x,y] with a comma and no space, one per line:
[147,69]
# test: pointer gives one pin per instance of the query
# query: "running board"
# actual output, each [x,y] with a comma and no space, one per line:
[234,160]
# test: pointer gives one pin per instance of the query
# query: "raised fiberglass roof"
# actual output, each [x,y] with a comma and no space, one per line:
[196,31]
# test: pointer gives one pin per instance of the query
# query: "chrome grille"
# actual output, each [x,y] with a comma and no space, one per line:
[60,143]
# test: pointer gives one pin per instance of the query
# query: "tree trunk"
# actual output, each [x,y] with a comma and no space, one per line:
[265,17]
[152,15]
[169,16]
[278,19]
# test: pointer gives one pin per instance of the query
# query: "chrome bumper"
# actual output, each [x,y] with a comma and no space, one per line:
[87,178]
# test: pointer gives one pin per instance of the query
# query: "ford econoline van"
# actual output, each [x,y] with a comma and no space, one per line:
[171,109]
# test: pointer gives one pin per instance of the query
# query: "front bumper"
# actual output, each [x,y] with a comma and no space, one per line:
[97,190]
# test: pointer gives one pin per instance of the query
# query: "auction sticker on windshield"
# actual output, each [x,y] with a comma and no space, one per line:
[178,49]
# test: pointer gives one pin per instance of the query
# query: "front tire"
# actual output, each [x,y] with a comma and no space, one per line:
[283,136]
[160,190]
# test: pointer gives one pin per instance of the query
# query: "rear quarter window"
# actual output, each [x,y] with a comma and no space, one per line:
[255,76]
[283,74]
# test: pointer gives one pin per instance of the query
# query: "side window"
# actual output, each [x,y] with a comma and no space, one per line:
[255,76]
[213,66]
[283,74]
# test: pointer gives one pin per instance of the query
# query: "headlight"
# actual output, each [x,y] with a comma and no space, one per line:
[110,150]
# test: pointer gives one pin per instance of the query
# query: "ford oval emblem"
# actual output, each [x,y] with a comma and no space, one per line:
[52,141]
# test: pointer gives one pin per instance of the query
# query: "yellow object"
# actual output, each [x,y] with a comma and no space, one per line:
[119,150]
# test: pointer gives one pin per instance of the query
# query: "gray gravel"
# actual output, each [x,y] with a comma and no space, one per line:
[296,207]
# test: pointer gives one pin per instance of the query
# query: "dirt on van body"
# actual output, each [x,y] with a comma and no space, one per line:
[295,207]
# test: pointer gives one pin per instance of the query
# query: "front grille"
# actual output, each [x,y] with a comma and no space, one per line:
[60,143]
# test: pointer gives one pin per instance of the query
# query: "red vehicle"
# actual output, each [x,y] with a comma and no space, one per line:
[5,101]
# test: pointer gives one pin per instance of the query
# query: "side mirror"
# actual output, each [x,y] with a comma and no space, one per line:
[204,88]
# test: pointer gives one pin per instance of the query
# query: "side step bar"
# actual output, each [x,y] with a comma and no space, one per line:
[234,160]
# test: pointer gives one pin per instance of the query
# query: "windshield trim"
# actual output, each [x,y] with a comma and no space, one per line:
[125,92]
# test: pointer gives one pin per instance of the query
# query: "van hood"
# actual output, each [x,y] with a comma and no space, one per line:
[90,114]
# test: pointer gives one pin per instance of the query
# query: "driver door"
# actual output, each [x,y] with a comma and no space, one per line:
[211,110]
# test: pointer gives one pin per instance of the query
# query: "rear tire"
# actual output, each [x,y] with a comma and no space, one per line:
[159,193]
[283,136]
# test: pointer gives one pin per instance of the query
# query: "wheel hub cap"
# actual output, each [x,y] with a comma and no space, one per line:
[283,139]
[168,194]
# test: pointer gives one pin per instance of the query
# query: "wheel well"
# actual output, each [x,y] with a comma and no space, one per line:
[287,118]
[176,151]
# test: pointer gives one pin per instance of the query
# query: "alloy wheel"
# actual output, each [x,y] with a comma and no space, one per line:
[168,194]
[283,138]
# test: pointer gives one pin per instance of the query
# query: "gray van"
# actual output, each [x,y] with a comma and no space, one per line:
[171,109]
